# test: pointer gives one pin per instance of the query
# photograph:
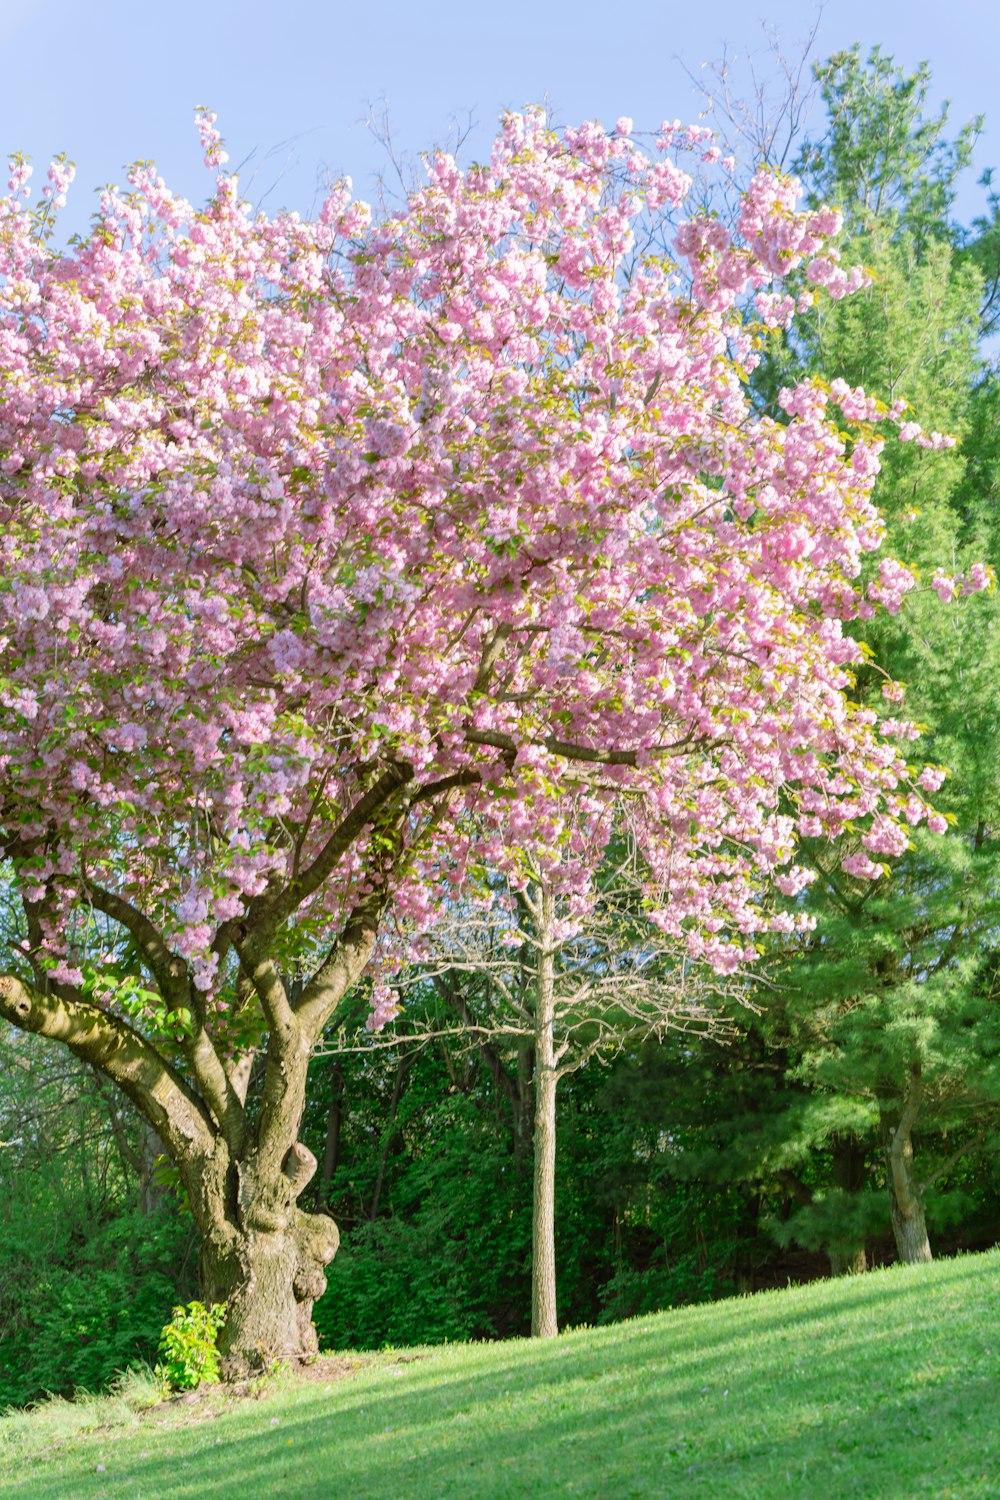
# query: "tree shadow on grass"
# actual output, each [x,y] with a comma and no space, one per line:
[943,1441]
[792,1398]
[471,1442]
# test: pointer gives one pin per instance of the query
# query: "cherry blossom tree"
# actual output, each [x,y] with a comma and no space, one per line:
[318,536]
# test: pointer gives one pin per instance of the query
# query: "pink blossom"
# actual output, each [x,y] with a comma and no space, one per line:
[943,585]
[465,503]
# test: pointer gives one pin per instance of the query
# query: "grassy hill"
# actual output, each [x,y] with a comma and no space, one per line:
[881,1386]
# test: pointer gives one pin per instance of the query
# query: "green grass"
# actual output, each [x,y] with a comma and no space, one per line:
[881,1386]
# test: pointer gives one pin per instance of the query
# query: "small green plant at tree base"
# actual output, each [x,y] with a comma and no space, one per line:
[188,1346]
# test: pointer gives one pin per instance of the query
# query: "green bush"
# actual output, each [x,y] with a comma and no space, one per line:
[77,1307]
[188,1346]
[451,1263]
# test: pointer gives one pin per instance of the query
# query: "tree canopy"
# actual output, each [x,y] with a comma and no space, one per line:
[321,536]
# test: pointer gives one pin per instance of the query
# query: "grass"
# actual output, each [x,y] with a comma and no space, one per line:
[881,1386]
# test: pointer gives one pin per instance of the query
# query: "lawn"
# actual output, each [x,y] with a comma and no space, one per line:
[881,1386]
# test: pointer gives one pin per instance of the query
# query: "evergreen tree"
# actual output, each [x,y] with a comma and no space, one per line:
[888,1032]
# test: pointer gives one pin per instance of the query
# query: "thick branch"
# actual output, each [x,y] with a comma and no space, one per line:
[173,981]
[239,1072]
[299,1167]
[446,784]
[491,652]
[501,741]
[176,1113]
[169,971]
[312,877]
[343,966]
[260,970]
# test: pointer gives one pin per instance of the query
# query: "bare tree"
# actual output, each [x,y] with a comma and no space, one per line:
[524,968]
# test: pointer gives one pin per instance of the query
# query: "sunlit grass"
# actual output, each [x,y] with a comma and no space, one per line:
[878,1386]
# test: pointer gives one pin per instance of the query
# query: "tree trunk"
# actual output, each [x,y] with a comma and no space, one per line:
[543,1243]
[906,1206]
[152,1194]
[331,1153]
[402,1068]
[269,1280]
[847,1259]
[264,1258]
[847,1262]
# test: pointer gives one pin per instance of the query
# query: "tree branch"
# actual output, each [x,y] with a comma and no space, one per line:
[176,1113]
[169,971]
[501,741]
[174,983]
[276,909]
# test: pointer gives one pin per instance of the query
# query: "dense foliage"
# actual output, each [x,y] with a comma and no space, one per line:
[93,1249]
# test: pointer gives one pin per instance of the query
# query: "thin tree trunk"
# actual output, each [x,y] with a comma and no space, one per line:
[847,1259]
[331,1153]
[152,1195]
[402,1068]
[906,1205]
[543,1243]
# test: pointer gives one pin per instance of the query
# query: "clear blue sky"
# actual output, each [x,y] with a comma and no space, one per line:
[110,81]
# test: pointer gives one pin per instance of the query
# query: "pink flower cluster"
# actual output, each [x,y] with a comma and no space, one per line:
[471,496]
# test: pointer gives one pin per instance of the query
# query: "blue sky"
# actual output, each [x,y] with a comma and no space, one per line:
[110,81]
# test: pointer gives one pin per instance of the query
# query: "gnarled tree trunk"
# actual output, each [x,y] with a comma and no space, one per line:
[268,1267]
[261,1254]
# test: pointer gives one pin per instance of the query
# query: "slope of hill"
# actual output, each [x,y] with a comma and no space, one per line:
[881,1386]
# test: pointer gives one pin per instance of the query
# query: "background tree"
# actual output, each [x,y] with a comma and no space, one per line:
[881,1028]
[573,978]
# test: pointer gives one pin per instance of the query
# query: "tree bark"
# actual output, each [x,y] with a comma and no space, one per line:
[847,1262]
[906,1206]
[152,1196]
[848,1175]
[263,1257]
[543,1246]
[269,1280]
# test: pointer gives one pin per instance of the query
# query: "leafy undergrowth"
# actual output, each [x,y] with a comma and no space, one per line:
[882,1386]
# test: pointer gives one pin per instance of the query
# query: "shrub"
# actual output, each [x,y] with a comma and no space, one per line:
[188,1346]
[79,1304]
